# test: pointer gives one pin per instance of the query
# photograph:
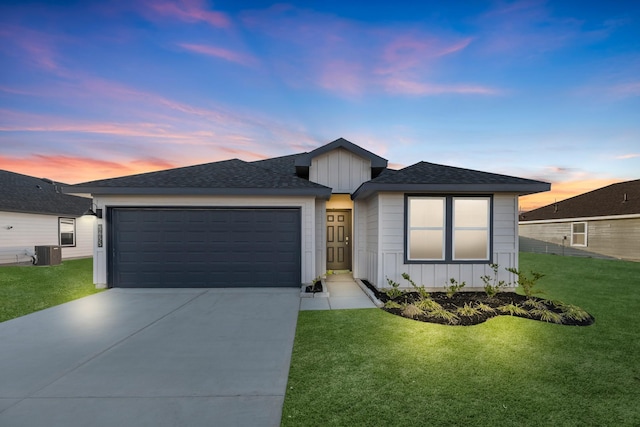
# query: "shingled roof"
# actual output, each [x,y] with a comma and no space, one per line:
[229,177]
[27,194]
[424,177]
[616,199]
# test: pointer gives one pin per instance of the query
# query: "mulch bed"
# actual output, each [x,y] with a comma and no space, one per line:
[460,299]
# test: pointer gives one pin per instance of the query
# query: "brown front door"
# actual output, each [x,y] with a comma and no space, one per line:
[338,240]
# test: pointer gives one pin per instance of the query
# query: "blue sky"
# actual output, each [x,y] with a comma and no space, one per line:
[543,90]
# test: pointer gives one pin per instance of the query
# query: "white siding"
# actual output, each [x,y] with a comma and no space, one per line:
[30,230]
[341,170]
[321,238]
[387,253]
[308,221]
[365,239]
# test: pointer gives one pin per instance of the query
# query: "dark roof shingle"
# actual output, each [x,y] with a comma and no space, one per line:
[424,177]
[223,177]
[605,201]
[22,193]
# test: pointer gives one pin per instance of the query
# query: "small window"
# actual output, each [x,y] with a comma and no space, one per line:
[579,234]
[67,228]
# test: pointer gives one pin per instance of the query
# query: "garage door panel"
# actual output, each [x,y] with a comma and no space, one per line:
[205,247]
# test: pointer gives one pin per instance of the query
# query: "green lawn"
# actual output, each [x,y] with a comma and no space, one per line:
[25,289]
[371,368]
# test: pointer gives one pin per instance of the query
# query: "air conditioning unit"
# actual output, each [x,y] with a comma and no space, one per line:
[48,255]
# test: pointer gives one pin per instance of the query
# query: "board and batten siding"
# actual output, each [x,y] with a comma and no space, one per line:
[387,252]
[340,169]
[366,239]
[321,237]
[307,206]
[30,230]
[619,238]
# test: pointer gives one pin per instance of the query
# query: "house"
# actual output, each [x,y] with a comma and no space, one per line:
[35,212]
[604,221]
[288,220]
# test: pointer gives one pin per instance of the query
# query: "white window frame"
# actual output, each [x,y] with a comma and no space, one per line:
[586,229]
[68,221]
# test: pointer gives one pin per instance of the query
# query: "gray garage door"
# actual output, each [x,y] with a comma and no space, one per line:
[204,248]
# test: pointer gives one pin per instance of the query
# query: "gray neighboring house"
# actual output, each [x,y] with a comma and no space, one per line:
[288,220]
[35,212]
[605,221]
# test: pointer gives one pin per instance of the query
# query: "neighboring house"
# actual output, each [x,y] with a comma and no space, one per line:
[605,221]
[288,220]
[35,212]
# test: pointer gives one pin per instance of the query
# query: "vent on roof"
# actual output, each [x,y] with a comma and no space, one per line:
[625,199]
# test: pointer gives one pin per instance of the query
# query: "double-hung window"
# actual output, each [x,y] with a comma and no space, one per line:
[579,234]
[67,231]
[453,229]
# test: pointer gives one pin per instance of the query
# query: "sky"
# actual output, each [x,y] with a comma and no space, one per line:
[547,90]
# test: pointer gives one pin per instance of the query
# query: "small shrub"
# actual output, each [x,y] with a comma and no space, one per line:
[535,304]
[428,304]
[454,287]
[547,315]
[485,308]
[491,284]
[513,309]
[421,289]
[392,304]
[441,313]
[574,312]
[394,291]
[468,310]
[411,310]
[526,282]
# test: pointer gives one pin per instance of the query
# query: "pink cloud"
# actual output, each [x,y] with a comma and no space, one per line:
[408,87]
[72,170]
[218,52]
[626,90]
[410,51]
[350,58]
[36,47]
[187,11]
[628,156]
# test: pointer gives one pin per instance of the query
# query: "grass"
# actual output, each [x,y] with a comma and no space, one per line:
[371,368]
[25,289]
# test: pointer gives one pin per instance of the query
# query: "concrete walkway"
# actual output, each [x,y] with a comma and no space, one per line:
[343,292]
[191,357]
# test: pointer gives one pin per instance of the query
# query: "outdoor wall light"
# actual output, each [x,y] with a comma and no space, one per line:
[97,212]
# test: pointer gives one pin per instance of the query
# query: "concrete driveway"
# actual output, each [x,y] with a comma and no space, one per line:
[192,357]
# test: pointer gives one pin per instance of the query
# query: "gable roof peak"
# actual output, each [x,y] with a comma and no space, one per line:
[377,162]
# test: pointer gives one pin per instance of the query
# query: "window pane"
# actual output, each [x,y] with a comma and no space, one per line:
[471,213]
[65,227]
[578,228]
[66,239]
[426,244]
[426,212]
[470,244]
[578,239]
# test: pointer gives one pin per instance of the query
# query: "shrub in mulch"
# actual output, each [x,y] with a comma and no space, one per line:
[472,308]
